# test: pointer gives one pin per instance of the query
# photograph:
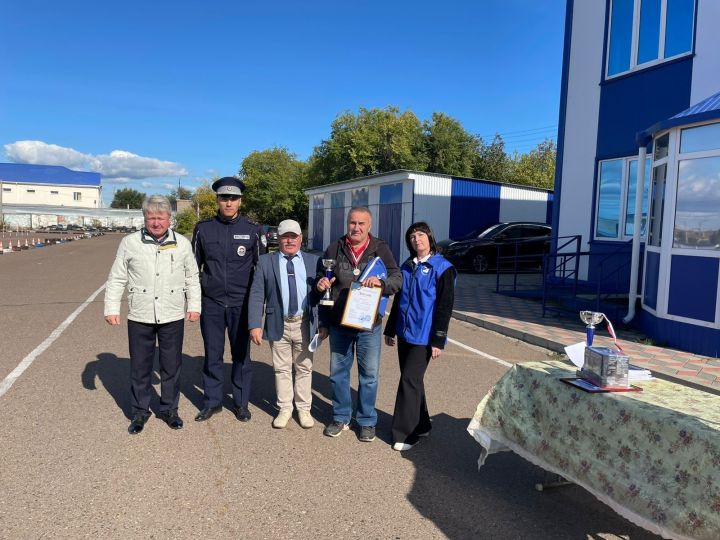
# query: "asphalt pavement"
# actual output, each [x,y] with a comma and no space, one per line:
[70,470]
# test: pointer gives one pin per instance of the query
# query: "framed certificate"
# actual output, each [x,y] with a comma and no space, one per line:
[361,307]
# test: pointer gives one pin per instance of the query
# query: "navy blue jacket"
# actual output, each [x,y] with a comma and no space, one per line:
[421,313]
[226,252]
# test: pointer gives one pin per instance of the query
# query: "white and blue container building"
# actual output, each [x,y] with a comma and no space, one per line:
[452,206]
[640,98]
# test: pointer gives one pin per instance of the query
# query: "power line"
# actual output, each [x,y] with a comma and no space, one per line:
[522,131]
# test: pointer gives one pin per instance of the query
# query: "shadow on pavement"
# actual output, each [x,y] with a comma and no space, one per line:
[114,375]
[322,408]
[499,500]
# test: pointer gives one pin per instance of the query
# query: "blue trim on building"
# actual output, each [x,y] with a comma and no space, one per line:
[549,211]
[652,273]
[47,174]
[704,111]
[693,287]
[472,205]
[562,114]
[630,104]
[684,336]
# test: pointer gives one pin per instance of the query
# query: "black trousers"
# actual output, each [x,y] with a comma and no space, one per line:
[142,338]
[411,413]
[214,320]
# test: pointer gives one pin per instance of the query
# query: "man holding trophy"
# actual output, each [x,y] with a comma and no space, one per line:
[344,261]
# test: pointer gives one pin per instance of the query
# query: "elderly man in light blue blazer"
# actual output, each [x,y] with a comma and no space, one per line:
[283,289]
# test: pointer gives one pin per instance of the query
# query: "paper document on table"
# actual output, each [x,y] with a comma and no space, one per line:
[576,353]
[636,373]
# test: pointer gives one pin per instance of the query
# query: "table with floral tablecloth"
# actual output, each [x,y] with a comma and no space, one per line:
[653,456]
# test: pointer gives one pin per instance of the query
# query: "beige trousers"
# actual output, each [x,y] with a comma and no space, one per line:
[291,350]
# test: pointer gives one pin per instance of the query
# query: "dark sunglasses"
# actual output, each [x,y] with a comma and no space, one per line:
[228,197]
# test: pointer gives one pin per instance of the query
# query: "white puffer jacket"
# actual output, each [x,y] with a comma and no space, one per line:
[161,278]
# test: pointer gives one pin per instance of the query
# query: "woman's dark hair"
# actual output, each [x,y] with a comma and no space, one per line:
[422,227]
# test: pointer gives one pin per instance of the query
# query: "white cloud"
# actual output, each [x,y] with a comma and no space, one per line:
[169,186]
[118,164]
[121,181]
[146,184]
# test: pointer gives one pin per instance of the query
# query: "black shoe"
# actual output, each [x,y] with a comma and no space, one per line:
[171,418]
[242,413]
[137,424]
[367,433]
[207,413]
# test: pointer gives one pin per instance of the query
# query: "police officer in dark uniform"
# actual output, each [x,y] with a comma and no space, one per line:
[226,247]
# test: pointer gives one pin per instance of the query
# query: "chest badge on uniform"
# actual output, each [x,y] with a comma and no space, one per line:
[241,251]
[425,270]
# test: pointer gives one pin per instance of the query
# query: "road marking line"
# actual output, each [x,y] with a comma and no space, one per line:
[480,353]
[37,351]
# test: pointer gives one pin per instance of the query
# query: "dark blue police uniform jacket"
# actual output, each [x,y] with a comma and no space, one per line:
[226,252]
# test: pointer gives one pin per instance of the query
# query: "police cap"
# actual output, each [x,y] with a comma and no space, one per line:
[228,185]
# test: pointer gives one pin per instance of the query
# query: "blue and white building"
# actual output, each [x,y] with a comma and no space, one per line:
[49,185]
[641,100]
[452,206]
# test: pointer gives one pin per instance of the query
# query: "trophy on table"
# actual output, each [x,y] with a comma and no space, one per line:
[591,318]
[329,264]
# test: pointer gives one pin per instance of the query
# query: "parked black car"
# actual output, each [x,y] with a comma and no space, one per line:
[478,251]
[271,235]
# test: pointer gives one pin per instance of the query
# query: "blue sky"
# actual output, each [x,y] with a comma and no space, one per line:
[146,92]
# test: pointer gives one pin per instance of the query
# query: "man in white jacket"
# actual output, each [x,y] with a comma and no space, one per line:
[158,268]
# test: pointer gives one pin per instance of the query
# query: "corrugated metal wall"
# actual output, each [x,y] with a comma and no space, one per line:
[472,205]
[522,204]
[432,203]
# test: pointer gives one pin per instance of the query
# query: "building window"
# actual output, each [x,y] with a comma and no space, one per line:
[7,189]
[77,196]
[658,204]
[697,221]
[647,32]
[615,212]
[54,192]
[31,191]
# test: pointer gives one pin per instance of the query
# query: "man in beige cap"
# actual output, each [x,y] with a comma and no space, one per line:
[283,288]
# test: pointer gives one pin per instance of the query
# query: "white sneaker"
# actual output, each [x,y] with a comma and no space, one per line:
[401,446]
[282,419]
[305,419]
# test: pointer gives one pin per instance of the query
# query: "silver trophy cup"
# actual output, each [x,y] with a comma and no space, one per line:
[328,264]
[591,318]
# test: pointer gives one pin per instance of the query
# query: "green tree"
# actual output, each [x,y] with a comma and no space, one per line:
[450,149]
[204,201]
[274,181]
[127,198]
[536,168]
[491,161]
[371,142]
[185,221]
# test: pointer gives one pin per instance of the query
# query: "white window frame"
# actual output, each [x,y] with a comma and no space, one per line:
[635,40]
[622,237]
[77,195]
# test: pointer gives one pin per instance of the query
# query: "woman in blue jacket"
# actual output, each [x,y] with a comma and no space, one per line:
[419,317]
